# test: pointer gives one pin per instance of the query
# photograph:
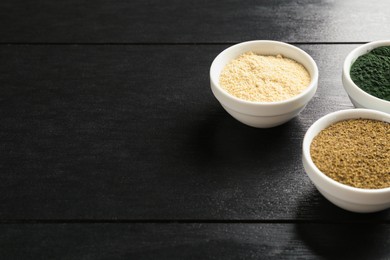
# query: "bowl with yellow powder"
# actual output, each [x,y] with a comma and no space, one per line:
[346,154]
[366,76]
[263,83]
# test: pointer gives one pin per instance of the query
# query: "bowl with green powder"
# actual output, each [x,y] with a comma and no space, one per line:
[366,76]
[346,155]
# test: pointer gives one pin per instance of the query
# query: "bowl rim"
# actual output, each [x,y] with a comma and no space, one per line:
[351,58]
[352,114]
[312,85]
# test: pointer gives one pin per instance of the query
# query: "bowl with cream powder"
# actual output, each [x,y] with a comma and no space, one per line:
[263,83]
[346,154]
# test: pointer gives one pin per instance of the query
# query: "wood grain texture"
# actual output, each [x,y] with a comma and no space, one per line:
[194,241]
[133,132]
[175,21]
[113,147]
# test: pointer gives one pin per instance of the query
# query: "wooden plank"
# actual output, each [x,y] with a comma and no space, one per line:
[194,241]
[133,132]
[175,21]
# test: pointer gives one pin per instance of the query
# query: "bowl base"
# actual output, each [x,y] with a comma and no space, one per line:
[266,121]
[353,207]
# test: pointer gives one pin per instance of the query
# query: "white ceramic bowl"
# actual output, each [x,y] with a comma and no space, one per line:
[263,114]
[344,196]
[360,98]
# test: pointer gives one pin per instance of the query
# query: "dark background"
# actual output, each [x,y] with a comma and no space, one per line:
[113,146]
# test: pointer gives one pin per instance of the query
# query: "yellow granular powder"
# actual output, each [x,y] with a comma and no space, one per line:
[354,152]
[260,78]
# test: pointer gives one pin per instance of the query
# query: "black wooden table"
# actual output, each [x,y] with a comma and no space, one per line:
[113,146]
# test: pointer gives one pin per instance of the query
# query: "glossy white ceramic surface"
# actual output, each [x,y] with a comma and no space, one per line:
[344,196]
[263,114]
[360,98]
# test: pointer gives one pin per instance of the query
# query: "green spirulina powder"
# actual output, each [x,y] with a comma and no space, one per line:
[371,72]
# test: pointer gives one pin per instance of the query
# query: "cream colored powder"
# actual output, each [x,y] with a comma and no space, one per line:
[260,78]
